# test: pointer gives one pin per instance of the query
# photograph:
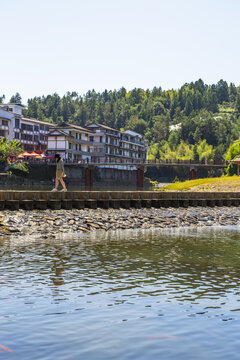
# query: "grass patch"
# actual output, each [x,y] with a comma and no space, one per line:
[179,186]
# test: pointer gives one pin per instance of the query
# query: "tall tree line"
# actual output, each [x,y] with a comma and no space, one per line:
[200,111]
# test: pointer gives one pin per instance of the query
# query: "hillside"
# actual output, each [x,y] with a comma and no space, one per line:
[197,121]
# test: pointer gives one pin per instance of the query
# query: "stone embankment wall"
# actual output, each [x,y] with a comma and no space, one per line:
[42,200]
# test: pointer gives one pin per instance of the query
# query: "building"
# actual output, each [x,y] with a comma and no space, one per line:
[72,142]
[125,145]
[6,123]
[109,138]
[96,143]
[132,146]
[31,133]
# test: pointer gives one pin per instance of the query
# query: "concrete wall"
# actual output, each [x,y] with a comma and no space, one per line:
[29,200]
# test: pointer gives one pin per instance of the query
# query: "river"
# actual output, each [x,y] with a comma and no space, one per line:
[129,295]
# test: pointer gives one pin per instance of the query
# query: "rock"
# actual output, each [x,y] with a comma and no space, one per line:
[96,226]
[83,229]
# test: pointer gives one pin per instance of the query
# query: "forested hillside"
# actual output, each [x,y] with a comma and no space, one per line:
[206,116]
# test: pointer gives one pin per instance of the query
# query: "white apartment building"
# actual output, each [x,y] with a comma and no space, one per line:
[132,146]
[127,145]
[31,133]
[97,143]
[72,142]
[6,123]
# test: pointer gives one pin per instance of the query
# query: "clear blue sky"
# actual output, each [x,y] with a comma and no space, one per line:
[75,45]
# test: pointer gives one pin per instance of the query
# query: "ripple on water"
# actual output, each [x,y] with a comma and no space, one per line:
[148,296]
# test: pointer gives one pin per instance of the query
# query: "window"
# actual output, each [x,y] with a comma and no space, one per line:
[47,128]
[80,136]
[36,128]
[41,137]
[91,138]
[27,127]
[16,135]
[76,147]
[26,137]
[5,122]
[36,138]
[17,123]
[70,133]
[76,135]
[70,146]
[86,135]
[100,139]
[41,127]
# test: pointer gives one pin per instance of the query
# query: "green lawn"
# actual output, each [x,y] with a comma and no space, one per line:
[178,186]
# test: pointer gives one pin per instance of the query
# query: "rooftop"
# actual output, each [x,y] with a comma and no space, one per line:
[75,127]
[102,126]
[11,104]
[38,121]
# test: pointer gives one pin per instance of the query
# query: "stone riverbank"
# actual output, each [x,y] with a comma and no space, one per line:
[50,224]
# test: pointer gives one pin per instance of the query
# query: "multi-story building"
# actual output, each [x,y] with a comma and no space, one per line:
[132,146]
[31,133]
[97,143]
[109,138]
[72,142]
[6,123]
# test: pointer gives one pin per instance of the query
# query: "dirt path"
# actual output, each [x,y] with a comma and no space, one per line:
[233,186]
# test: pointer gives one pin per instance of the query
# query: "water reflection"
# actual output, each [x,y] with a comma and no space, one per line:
[87,283]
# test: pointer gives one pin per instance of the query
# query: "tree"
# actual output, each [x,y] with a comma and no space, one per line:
[222,91]
[233,150]
[16,99]
[188,106]
[232,92]
[237,102]
[210,100]
[184,151]
[205,151]
[173,140]
[7,148]
[140,126]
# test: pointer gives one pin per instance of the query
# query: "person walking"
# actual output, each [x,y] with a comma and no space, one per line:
[59,174]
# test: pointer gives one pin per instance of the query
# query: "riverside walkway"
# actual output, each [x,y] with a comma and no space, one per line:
[42,200]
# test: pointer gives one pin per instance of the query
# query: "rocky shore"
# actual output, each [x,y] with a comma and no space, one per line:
[50,224]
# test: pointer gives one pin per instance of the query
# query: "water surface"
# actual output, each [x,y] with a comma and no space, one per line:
[122,296]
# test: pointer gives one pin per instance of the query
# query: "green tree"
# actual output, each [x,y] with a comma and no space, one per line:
[205,151]
[237,102]
[210,100]
[140,126]
[16,99]
[7,148]
[222,91]
[173,140]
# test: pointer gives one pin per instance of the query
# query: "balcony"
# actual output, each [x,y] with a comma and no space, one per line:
[132,142]
[97,153]
[4,127]
[110,134]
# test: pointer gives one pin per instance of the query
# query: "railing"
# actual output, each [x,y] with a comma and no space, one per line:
[135,162]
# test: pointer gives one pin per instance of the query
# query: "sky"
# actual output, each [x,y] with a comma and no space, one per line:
[52,46]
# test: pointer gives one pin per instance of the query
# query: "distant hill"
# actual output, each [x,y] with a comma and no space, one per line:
[207,116]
